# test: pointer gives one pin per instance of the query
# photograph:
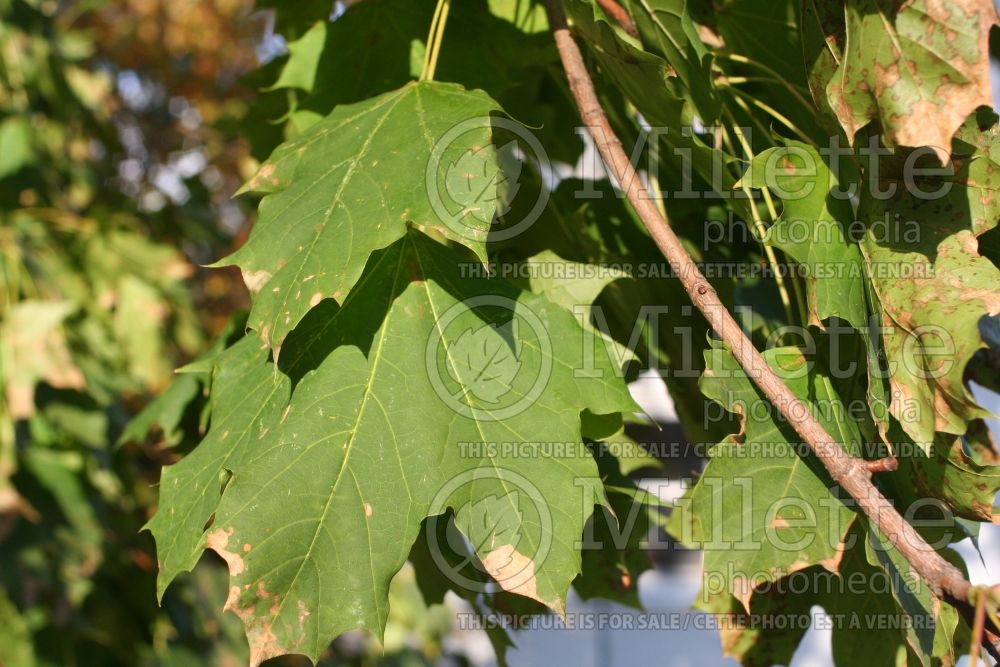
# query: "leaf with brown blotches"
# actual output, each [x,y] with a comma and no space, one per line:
[919,67]
[328,489]
[934,286]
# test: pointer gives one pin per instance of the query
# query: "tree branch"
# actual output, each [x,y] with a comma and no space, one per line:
[850,473]
[618,13]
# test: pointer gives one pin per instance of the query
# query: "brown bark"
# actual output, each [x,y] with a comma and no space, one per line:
[618,13]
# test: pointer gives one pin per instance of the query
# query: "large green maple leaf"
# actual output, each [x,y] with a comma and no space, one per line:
[351,185]
[763,508]
[385,428]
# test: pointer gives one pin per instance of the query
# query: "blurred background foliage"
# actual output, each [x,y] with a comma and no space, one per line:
[118,161]
[112,177]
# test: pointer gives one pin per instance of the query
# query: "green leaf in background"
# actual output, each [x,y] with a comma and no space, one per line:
[164,412]
[375,53]
[140,315]
[33,350]
[572,285]
[615,552]
[501,47]
[811,229]
[15,145]
[439,552]
[352,185]
[933,624]
[292,19]
[576,286]
[750,643]
[667,26]
[765,31]
[661,96]
[873,595]
[58,472]
[15,638]
[882,646]
[760,510]
[952,474]
[644,77]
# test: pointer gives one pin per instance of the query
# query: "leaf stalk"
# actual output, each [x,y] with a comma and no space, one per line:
[434,37]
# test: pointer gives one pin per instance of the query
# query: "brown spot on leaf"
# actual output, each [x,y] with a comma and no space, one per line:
[218,541]
[515,573]
[264,175]
[303,613]
[255,280]
[259,629]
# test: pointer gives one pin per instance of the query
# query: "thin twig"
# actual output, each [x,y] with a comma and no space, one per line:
[978,622]
[850,473]
[888,464]
[618,13]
